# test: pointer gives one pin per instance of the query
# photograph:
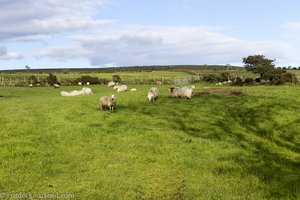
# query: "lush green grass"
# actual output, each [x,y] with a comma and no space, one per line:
[217,146]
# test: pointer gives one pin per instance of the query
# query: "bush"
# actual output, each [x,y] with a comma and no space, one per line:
[116,78]
[249,81]
[210,78]
[32,80]
[225,76]
[90,79]
[51,80]
[238,81]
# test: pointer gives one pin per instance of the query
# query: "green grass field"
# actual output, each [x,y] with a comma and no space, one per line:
[217,146]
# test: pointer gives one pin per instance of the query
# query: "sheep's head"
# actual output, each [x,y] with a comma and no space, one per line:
[171,88]
[150,97]
[113,97]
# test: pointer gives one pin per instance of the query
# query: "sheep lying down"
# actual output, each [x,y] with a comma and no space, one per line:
[83,91]
[182,92]
[108,102]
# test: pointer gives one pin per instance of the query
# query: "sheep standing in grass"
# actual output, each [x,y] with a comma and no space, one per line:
[152,94]
[108,102]
[182,92]
[122,88]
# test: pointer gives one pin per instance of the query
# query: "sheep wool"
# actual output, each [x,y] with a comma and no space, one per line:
[108,102]
[182,92]
[111,83]
[152,94]
[122,88]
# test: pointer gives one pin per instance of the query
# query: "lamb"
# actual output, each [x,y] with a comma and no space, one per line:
[152,94]
[108,102]
[122,88]
[182,92]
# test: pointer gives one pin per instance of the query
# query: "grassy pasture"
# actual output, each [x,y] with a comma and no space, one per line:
[216,146]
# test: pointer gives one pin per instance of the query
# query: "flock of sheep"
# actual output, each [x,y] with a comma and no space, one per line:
[109,102]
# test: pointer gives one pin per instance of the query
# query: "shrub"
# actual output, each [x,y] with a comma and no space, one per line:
[238,81]
[32,80]
[90,79]
[116,78]
[248,80]
[225,76]
[210,78]
[51,80]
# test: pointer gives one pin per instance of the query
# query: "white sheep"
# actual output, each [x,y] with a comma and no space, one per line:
[30,85]
[111,83]
[182,92]
[152,94]
[122,88]
[79,83]
[83,91]
[55,85]
[65,94]
[108,102]
[133,90]
[115,87]
[87,83]
[87,91]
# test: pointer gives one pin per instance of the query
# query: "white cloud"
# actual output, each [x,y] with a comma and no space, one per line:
[5,55]
[295,25]
[27,18]
[141,45]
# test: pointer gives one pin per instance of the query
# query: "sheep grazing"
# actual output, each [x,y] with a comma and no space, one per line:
[111,83]
[182,92]
[79,83]
[133,90]
[55,85]
[122,88]
[30,85]
[152,94]
[108,102]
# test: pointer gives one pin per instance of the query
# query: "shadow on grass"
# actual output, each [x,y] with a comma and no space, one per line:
[250,122]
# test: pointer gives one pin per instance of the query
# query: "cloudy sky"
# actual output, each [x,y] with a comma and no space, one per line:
[101,33]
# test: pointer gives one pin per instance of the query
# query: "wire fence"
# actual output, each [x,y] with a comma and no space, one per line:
[25,81]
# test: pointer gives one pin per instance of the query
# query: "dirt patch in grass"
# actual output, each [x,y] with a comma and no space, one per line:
[209,91]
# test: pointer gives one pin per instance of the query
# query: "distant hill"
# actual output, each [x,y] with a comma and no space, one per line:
[127,69]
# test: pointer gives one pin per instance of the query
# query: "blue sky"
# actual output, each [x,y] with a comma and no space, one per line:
[100,33]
